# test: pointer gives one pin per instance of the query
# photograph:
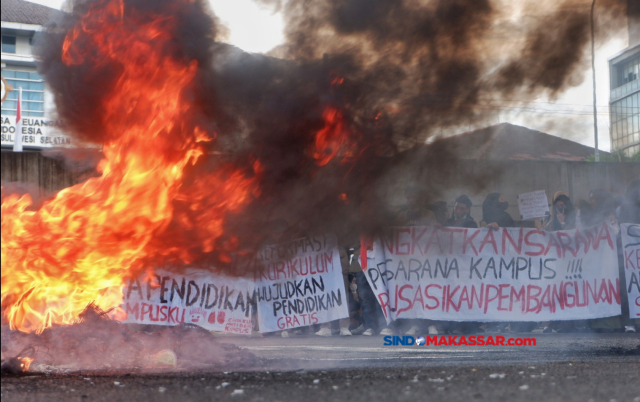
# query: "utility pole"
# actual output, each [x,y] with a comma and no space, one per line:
[593,69]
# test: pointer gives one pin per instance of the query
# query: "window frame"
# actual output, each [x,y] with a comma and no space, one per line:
[15,41]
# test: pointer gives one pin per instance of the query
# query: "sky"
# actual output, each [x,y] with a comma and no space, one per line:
[257,28]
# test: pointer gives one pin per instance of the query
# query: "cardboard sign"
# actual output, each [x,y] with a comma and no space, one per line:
[533,205]
[631,256]
[300,283]
[512,274]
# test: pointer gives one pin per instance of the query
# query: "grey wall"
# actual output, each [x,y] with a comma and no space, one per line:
[42,176]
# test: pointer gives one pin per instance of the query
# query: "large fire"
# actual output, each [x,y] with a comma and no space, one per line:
[330,138]
[80,246]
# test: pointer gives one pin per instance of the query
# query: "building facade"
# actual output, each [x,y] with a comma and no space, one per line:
[624,103]
[21,21]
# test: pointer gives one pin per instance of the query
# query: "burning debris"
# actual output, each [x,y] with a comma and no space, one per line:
[98,343]
[19,364]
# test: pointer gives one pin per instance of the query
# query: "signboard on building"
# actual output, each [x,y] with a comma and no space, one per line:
[37,132]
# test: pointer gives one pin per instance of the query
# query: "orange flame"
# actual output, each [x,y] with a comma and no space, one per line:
[81,245]
[331,137]
[25,362]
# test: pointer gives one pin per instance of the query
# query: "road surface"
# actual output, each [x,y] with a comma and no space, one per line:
[561,367]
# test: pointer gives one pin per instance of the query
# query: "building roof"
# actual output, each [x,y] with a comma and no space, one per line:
[25,12]
[510,142]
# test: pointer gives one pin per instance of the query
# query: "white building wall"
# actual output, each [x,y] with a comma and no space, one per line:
[39,131]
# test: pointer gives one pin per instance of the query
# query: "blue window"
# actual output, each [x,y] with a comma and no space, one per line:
[32,93]
[8,44]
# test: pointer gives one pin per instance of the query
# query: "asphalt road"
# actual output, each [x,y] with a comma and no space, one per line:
[561,367]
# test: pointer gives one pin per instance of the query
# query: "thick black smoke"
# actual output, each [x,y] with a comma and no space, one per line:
[419,67]
[398,71]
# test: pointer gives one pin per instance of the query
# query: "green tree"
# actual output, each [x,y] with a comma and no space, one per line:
[616,156]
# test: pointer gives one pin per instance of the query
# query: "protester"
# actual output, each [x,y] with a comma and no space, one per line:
[274,234]
[582,213]
[601,207]
[439,209]
[348,269]
[494,212]
[356,322]
[628,212]
[374,320]
[495,216]
[563,213]
[296,231]
[414,214]
[461,216]
[563,217]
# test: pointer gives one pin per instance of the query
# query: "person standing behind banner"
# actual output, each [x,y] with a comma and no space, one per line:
[439,209]
[495,216]
[342,325]
[628,212]
[601,206]
[356,322]
[563,217]
[601,209]
[272,235]
[374,320]
[461,218]
[494,212]
[414,214]
[298,230]
[563,213]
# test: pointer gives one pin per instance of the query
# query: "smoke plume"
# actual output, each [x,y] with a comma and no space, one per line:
[396,72]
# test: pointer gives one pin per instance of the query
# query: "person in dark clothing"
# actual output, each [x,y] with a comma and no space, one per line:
[355,315]
[563,213]
[414,214]
[439,209]
[495,215]
[602,206]
[461,216]
[494,212]
[563,217]
[373,317]
[629,211]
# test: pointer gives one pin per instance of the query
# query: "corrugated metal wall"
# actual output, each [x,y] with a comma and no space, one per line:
[509,178]
[48,174]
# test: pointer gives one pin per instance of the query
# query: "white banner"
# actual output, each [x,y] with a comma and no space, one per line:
[300,283]
[209,299]
[512,274]
[35,132]
[631,257]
